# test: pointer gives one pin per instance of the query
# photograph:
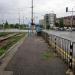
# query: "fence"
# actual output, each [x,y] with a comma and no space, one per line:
[63,47]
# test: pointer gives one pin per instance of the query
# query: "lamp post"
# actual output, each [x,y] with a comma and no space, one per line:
[71,18]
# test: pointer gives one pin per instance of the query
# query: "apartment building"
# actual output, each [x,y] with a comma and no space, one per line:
[41,22]
[50,20]
[67,21]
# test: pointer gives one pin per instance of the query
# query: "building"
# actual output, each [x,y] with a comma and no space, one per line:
[58,20]
[41,22]
[50,20]
[67,21]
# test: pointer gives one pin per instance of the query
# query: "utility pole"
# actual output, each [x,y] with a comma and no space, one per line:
[19,18]
[32,18]
[23,19]
[3,21]
[71,18]
[23,22]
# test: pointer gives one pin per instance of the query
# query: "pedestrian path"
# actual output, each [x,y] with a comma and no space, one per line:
[34,57]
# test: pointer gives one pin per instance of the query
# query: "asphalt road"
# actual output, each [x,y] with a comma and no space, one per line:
[29,60]
[64,34]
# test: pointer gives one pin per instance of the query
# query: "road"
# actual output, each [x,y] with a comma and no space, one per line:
[64,34]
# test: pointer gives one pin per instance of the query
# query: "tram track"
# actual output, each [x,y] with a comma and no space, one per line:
[7,42]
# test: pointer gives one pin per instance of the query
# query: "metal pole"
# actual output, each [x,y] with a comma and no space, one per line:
[23,20]
[32,11]
[32,26]
[3,26]
[19,19]
[72,20]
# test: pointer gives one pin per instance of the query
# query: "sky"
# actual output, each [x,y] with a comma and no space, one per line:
[11,10]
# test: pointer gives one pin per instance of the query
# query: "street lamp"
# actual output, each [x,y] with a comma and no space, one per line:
[72,16]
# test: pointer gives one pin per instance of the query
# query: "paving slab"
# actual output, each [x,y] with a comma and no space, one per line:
[32,58]
[6,73]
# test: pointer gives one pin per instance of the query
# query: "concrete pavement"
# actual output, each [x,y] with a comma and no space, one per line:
[33,58]
[7,56]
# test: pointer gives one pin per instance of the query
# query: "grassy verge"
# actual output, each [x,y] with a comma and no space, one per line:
[3,34]
[11,42]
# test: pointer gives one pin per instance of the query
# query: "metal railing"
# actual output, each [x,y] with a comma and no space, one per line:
[63,47]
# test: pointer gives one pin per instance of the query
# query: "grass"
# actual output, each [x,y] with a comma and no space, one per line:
[1,51]
[11,42]
[48,55]
[3,34]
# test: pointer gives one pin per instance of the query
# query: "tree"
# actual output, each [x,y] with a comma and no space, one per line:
[6,24]
[48,27]
[57,24]
[12,26]
[17,25]
[61,22]
[1,26]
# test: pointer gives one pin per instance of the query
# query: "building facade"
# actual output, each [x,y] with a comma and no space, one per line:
[41,22]
[50,20]
[67,21]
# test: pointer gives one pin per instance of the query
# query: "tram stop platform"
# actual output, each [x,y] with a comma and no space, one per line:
[35,57]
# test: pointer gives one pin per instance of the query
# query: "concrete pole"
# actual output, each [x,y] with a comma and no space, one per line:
[32,26]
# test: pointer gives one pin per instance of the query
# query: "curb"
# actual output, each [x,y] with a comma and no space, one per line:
[3,55]
[7,56]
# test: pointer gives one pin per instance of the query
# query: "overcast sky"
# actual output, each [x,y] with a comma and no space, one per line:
[10,9]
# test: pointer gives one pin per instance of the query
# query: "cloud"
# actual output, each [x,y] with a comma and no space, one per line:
[11,8]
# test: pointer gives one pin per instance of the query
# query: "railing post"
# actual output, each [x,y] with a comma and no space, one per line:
[63,48]
[65,51]
[45,36]
[55,44]
[71,56]
[50,39]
